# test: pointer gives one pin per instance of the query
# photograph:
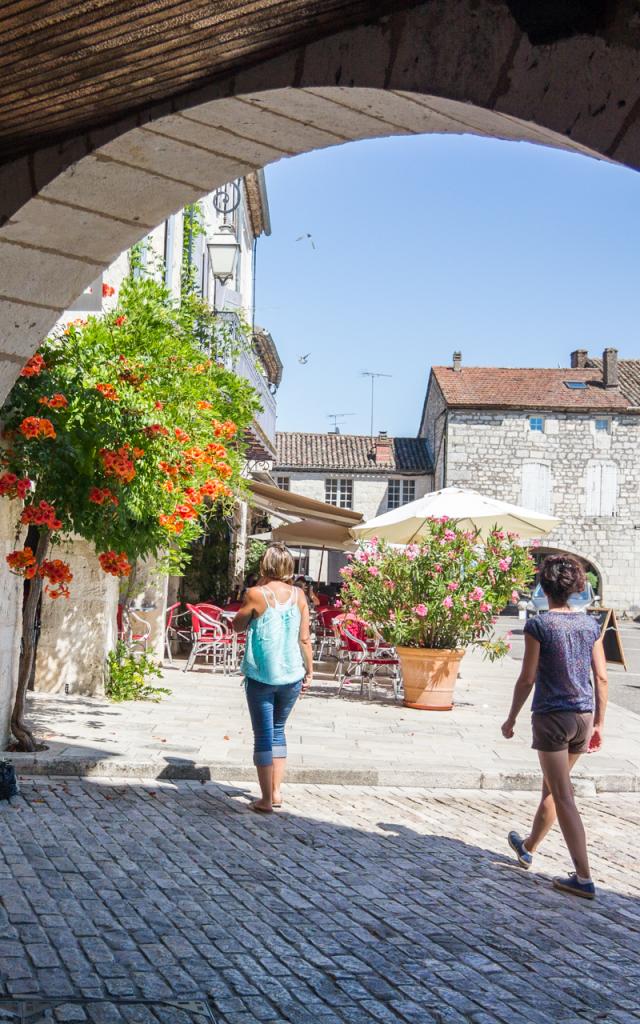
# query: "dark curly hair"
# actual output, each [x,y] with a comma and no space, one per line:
[560,576]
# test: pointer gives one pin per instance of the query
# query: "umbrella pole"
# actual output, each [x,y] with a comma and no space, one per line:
[321,561]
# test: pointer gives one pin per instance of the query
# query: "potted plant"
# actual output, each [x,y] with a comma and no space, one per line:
[434,598]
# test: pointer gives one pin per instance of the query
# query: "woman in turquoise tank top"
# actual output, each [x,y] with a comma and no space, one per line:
[277,665]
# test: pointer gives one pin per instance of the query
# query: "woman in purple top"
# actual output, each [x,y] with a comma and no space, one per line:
[562,647]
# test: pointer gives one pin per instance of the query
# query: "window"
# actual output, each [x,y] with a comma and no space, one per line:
[400,492]
[575,385]
[536,423]
[284,483]
[536,487]
[602,424]
[339,492]
[601,488]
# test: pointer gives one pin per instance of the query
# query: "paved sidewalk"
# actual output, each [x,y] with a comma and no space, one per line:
[202,731]
[353,906]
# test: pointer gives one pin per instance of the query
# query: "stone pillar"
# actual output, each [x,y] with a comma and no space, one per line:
[241,520]
[10,617]
[78,633]
[150,591]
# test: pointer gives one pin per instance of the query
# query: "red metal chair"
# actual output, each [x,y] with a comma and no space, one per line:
[211,636]
[325,634]
[363,654]
[133,630]
[174,630]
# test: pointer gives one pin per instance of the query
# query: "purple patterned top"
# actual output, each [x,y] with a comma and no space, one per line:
[563,681]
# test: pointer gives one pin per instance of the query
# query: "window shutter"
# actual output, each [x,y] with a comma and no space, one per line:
[609,487]
[536,487]
[593,489]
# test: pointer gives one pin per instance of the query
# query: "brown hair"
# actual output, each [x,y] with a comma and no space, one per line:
[277,563]
[560,576]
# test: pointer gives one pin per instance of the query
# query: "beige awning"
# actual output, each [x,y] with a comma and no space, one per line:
[287,504]
[314,533]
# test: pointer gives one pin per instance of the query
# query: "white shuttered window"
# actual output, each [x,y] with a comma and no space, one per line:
[536,487]
[602,489]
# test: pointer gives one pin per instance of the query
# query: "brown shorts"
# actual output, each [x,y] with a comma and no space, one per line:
[562,730]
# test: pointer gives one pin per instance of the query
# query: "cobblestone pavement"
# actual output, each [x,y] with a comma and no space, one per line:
[356,905]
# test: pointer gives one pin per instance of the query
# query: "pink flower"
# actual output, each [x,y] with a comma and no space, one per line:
[453,585]
[535,544]
[361,556]
[349,556]
[443,519]
[504,564]
[448,602]
[500,534]
[484,607]
[420,610]
[437,567]
[346,571]
[338,604]
[449,535]
[515,596]
[392,616]
[373,570]
[465,617]
[412,551]
[389,585]
[477,594]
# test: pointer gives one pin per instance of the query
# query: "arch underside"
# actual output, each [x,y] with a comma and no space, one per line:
[458,67]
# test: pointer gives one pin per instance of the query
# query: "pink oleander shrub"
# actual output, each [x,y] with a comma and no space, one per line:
[442,592]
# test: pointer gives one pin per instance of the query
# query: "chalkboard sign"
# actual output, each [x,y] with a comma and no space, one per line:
[610,634]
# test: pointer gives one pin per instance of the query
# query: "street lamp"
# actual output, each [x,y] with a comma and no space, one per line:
[223,252]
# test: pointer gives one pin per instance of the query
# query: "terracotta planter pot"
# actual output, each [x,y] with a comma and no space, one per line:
[429,677]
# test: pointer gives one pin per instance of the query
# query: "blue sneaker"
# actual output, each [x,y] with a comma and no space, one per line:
[585,890]
[525,859]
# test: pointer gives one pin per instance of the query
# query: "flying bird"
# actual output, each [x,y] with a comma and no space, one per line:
[303,360]
[302,238]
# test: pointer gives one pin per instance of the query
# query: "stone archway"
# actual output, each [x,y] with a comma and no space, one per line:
[489,67]
[589,564]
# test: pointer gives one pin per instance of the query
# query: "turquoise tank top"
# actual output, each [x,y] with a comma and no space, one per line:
[272,653]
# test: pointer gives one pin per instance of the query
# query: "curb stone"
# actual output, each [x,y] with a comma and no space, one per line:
[524,781]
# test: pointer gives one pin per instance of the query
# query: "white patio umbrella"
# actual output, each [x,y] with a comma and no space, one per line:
[470,509]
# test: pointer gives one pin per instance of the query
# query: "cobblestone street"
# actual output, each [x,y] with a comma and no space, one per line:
[354,905]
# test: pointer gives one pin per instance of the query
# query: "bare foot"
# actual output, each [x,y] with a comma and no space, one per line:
[277,799]
[261,807]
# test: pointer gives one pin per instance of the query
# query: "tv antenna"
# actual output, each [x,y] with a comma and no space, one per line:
[335,416]
[374,376]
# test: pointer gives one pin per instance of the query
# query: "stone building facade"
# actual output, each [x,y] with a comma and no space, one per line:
[369,475]
[560,441]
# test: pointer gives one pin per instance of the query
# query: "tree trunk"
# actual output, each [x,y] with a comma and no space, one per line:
[21,731]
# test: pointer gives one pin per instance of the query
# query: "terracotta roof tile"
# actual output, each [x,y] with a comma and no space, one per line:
[502,388]
[350,453]
[628,375]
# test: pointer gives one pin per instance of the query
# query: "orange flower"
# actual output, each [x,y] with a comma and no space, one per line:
[108,391]
[58,575]
[33,427]
[57,401]
[204,405]
[100,496]
[75,323]
[225,470]
[115,564]
[120,320]
[12,487]
[168,468]
[159,405]
[41,515]
[107,291]
[33,366]
[118,463]
[171,523]
[181,436]
[203,367]
[23,563]
[156,430]
[227,429]
[186,512]
[137,453]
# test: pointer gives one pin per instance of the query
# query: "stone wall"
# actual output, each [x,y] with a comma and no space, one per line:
[10,618]
[77,633]
[487,451]
[433,429]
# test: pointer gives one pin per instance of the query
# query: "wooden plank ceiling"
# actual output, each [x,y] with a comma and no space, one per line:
[70,65]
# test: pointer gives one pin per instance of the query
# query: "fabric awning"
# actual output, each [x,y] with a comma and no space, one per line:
[286,504]
[314,533]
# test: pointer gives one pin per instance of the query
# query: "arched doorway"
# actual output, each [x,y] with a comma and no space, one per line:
[593,571]
[468,66]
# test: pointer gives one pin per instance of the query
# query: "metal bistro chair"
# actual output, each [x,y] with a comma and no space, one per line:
[175,631]
[133,630]
[211,637]
[364,654]
[325,633]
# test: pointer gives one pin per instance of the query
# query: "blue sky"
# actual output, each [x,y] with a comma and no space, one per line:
[512,253]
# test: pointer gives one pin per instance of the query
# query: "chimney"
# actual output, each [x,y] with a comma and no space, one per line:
[610,367]
[383,448]
[579,359]
[457,361]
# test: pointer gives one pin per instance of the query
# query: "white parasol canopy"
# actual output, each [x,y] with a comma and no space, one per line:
[470,509]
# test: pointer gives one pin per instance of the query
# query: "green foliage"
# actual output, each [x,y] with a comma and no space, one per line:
[206,578]
[129,676]
[443,592]
[135,383]
[255,551]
